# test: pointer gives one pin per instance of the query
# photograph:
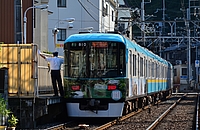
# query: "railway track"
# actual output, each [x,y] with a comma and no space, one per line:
[149,118]
[181,115]
[144,119]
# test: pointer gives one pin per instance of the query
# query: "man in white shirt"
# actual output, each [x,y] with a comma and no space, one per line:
[55,66]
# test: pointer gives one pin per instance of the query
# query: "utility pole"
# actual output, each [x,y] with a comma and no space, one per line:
[188,47]
[143,23]
[163,16]
[163,30]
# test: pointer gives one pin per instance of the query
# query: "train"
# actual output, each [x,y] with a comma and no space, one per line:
[181,82]
[108,75]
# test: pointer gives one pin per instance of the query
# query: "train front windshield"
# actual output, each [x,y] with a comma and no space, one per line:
[94,60]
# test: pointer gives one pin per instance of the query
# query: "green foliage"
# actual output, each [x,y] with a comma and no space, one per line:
[3,107]
[12,121]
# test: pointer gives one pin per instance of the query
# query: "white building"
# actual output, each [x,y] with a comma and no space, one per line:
[95,15]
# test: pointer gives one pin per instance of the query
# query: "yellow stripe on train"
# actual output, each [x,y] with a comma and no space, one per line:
[156,80]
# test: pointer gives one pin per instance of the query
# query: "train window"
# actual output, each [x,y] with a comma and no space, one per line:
[164,71]
[156,71]
[138,65]
[163,68]
[159,74]
[94,59]
[175,72]
[149,68]
[134,68]
[141,66]
[184,71]
[144,66]
[152,69]
[131,63]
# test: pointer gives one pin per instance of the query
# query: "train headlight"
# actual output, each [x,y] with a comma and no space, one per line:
[76,87]
[112,87]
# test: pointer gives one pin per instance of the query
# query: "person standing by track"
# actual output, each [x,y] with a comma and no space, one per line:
[55,66]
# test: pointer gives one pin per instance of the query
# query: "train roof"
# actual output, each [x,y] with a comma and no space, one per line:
[95,37]
[145,51]
[114,38]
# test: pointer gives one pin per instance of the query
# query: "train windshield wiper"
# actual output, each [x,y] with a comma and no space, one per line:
[97,74]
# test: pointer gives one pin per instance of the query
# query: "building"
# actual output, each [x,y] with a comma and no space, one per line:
[12,25]
[89,15]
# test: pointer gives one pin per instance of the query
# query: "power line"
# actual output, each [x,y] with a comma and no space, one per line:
[87,10]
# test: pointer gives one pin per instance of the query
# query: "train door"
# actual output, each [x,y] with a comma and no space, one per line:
[142,75]
[135,82]
[138,71]
[145,74]
[156,76]
[149,88]
[130,73]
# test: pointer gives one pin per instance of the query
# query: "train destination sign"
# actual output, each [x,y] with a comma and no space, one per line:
[99,44]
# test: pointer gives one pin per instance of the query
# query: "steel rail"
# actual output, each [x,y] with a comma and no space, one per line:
[156,122]
[109,124]
[197,114]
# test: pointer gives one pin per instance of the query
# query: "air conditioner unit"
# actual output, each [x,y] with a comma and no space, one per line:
[178,62]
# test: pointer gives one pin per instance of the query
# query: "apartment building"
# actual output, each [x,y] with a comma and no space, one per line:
[88,15]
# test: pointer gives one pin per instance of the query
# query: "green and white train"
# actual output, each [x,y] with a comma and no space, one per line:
[107,75]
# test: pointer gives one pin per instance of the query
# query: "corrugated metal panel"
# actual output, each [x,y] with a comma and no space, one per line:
[21,61]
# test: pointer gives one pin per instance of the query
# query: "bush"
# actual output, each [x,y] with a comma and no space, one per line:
[12,121]
[3,107]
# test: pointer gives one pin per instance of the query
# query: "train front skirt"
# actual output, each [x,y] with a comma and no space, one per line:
[114,110]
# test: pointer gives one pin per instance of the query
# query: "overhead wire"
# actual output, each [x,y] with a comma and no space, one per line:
[85,8]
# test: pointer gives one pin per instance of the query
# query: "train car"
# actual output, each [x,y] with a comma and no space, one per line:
[180,79]
[107,75]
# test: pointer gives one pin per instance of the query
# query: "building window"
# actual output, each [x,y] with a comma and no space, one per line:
[113,16]
[171,55]
[121,27]
[106,9]
[61,3]
[61,36]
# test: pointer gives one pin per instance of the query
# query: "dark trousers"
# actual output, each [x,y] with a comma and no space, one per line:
[56,77]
